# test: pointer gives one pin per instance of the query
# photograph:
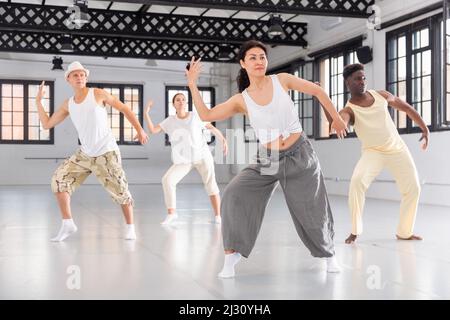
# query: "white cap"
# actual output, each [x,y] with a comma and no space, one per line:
[75,66]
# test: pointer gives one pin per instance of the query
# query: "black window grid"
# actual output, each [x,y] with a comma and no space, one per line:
[26,119]
[185,90]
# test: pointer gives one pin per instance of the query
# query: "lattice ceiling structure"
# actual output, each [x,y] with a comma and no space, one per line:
[174,30]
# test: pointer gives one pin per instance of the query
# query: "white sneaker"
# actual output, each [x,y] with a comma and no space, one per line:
[170,218]
[217,220]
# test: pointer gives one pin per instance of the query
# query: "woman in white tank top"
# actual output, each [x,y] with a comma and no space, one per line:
[288,153]
[189,150]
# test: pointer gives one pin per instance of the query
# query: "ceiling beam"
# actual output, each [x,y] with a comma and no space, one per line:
[109,46]
[341,8]
[144,8]
[138,25]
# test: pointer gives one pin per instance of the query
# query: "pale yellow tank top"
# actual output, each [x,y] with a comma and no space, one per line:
[374,126]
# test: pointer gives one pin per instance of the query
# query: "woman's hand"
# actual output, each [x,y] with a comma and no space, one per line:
[148,106]
[194,71]
[339,126]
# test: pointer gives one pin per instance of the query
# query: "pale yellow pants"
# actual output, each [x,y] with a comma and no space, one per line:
[401,166]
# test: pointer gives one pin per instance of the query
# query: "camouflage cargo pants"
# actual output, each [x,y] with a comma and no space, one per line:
[107,168]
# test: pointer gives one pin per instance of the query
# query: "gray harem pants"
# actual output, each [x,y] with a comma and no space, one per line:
[247,195]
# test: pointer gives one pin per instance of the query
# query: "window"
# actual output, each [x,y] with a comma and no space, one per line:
[336,87]
[396,70]
[304,102]
[19,119]
[415,71]
[445,55]
[421,73]
[132,96]
[409,73]
[331,68]
[208,96]
[332,79]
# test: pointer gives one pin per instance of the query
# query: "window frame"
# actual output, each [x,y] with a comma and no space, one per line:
[444,34]
[302,96]
[438,81]
[408,32]
[122,87]
[190,105]
[346,49]
[400,32]
[26,83]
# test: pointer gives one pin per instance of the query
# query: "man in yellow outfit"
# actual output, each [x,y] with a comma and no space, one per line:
[382,147]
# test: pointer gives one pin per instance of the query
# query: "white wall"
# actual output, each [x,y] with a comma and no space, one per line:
[338,158]
[17,170]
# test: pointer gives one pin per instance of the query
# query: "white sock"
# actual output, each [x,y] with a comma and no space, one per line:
[217,220]
[170,218]
[228,266]
[333,265]
[130,232]
[67,228]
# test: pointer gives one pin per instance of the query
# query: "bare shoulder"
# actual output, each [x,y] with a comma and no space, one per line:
[65,105]
[102,97]
[348,112]
[284,77]
[99,92]
[238,103]
[237,98]
[285,80]
[385,94]
[347,109]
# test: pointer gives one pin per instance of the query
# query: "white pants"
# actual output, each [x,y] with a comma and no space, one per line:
[178,171]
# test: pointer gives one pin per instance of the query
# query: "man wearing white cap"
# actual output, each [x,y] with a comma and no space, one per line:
[99,152]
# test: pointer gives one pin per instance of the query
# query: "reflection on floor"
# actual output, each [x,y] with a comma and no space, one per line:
[182,261]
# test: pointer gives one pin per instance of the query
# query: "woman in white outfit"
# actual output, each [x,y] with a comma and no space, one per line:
[189,150]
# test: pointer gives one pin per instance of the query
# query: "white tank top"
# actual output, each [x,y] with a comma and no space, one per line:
[278,118]
[91,122]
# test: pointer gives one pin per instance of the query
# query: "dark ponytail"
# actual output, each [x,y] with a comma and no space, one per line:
[242,79]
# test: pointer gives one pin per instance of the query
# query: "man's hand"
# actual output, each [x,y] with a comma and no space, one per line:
[425,136]
[41,91]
